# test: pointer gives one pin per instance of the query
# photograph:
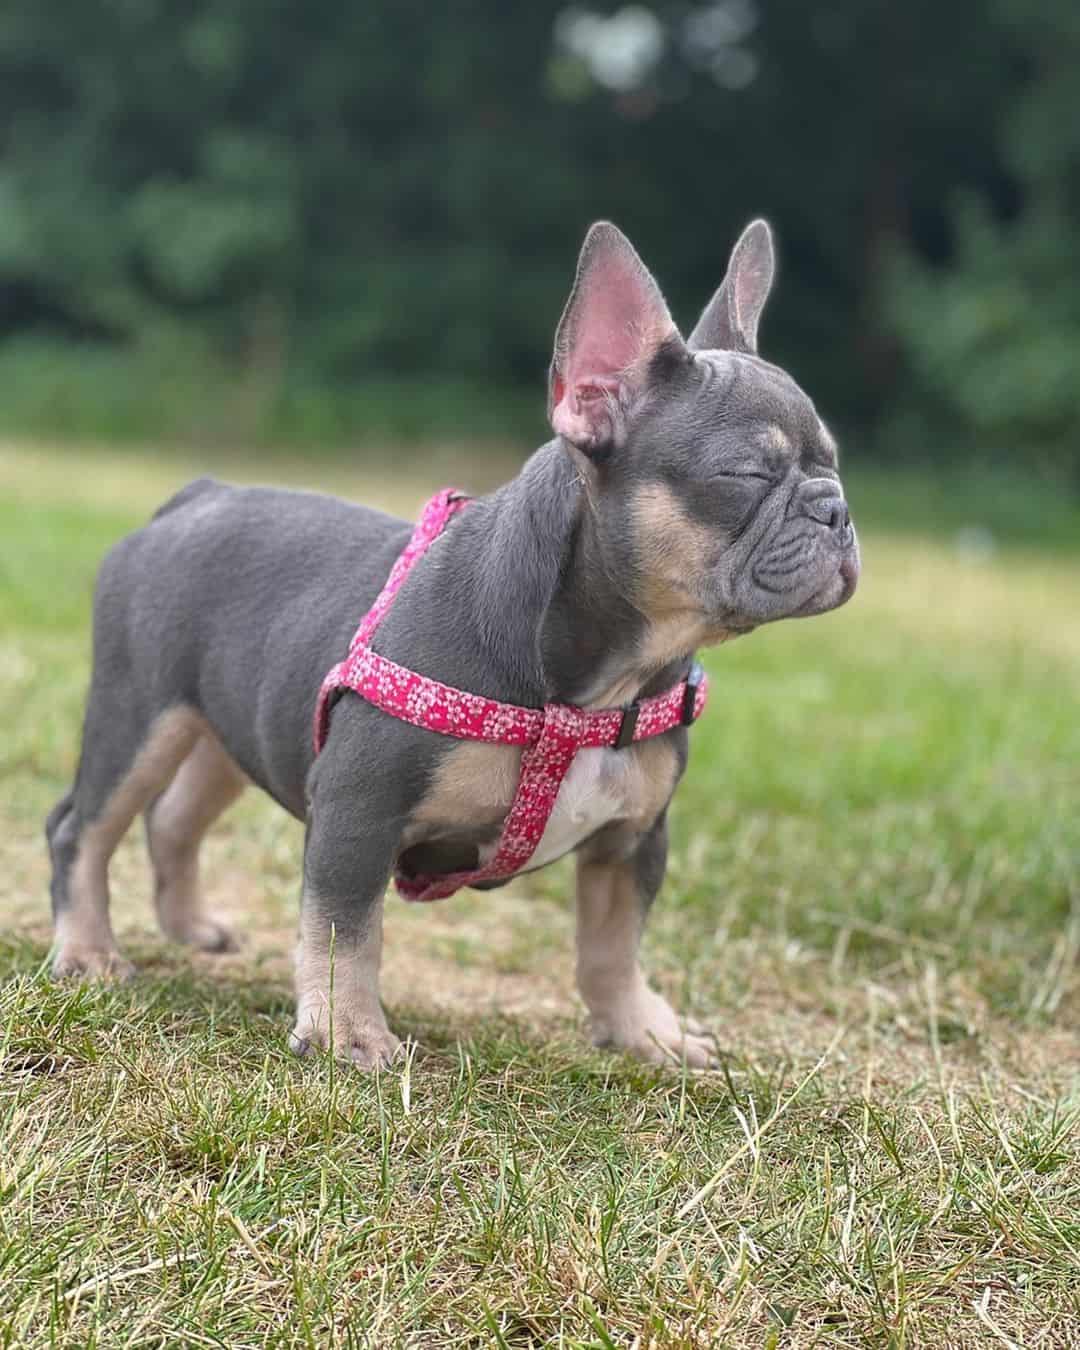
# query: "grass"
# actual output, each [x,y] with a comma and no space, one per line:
[177,388]
[874,897]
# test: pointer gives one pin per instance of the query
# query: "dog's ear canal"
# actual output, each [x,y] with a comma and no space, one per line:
[614,324]
[730,319]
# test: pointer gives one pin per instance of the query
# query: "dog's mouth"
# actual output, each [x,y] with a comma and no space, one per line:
[837,590]
[792,584]
[849,574]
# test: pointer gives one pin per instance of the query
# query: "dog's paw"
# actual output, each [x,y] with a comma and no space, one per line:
[363,1042]
[205,933]
[72,962]
[646,1026]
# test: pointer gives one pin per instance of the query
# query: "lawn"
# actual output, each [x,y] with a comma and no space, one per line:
[874,898]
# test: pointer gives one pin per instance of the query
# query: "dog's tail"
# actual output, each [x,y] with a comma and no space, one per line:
[186,494]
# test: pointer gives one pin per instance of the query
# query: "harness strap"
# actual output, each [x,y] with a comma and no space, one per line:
[550,737]
[543,768]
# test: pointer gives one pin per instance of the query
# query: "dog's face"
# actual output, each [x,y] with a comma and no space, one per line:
[712,481]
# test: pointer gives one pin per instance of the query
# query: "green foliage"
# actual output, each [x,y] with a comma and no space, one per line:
[993,337]
[980,507]
[310,196]
[171,390]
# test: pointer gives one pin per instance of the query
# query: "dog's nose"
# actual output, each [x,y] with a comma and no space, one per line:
[822,501]
[840,524]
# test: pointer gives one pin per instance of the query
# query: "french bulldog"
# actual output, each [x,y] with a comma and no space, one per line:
[690,493]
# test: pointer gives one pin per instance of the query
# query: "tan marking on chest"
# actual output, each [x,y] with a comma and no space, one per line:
[475,784]
[605,787]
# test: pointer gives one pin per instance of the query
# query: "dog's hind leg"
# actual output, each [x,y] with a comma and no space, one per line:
[123,766]
[206,783]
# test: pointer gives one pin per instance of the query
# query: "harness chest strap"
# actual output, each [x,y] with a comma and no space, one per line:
[550,737]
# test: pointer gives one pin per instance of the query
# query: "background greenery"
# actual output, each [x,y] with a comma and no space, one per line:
[301,220]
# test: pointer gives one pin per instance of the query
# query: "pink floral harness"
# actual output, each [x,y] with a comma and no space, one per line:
[550,737]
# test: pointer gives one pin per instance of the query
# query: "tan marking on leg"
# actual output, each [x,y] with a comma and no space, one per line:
[337,992]
[206,783]
[624,1011]
[84,937]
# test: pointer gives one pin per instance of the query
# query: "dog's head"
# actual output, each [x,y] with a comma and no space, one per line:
[712,481]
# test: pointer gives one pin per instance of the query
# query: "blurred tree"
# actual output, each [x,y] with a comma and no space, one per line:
[992,332]
[336,194]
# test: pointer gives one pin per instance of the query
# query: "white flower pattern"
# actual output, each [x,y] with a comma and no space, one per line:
[551,736]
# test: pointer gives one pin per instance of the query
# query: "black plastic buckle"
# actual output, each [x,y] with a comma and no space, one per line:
[627,726]
[693,684]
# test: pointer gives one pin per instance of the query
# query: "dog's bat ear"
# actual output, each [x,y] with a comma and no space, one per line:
[613,325]
[730,320]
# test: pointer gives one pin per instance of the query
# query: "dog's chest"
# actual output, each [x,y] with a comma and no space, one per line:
[601,787]
[459,823]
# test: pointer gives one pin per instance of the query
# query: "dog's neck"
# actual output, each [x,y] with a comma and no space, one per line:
[600,648]
[550,597]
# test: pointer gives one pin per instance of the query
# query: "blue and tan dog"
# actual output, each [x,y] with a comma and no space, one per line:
[690,494]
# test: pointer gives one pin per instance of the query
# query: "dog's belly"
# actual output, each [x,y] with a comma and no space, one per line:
[601,787]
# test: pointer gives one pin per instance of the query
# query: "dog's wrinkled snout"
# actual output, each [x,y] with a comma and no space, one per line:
[821,500]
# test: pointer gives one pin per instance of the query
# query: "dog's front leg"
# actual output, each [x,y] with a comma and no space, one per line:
[340,949]
[613,899]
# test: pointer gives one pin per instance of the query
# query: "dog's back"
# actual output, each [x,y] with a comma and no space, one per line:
[192,609]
